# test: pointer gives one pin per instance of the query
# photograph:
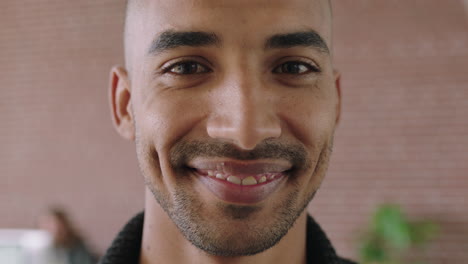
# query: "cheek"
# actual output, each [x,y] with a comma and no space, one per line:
[314,125]
[167,116]
[166,112]
[310,120]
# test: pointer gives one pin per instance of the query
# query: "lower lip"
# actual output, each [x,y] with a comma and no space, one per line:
[240,194]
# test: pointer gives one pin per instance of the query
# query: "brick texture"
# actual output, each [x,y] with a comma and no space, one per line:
[403,134]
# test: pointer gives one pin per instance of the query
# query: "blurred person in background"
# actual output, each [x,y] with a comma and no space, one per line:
[68,246]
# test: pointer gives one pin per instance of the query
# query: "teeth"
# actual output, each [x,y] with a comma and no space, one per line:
[234,179]
[262,179]
[249,181]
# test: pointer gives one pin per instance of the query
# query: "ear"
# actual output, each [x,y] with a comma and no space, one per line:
[337,79]
[120,103]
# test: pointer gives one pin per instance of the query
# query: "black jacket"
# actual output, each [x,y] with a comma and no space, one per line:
[126,246]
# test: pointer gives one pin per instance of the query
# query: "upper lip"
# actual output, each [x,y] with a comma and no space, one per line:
[241,167]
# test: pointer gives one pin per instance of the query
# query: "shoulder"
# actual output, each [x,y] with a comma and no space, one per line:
[319,247]
[346,261]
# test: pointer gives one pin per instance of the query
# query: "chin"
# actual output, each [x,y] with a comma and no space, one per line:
[228,230]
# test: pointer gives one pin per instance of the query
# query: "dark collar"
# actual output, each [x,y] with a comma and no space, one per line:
[126,246]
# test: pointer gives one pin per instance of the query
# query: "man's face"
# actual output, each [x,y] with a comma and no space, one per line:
[234,106]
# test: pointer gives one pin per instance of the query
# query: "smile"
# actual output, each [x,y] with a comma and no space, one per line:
[241,182]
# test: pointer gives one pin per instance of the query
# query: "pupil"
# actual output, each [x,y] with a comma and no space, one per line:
[190,68]
[186,68]
[291,68]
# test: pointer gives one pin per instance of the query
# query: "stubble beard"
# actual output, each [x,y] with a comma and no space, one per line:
[213,233]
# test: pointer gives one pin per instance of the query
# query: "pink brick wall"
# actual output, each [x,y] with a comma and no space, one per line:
[403,135]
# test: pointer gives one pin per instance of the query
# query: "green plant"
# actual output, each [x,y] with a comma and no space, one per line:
[391,236]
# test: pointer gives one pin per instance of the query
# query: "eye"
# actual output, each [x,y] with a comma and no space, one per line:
[295,67]
[186,67]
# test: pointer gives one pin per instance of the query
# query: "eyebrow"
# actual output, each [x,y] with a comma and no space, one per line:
[303,38]
[173,39]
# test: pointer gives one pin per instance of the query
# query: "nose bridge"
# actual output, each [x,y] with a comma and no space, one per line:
[245,109]
[246,114]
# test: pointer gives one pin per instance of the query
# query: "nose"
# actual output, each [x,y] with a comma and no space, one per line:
[244,114]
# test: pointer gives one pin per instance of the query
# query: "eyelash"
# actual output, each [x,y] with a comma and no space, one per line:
[170,67]
[310,67]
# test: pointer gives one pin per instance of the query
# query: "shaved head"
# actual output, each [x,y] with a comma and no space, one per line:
[134,8]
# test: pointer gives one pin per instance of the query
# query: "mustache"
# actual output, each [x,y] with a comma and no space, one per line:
[184,151]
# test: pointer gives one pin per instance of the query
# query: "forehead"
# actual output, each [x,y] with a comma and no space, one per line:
[230,17]
[173,7]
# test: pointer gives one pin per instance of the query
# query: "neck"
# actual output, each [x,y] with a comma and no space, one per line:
[162,242]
